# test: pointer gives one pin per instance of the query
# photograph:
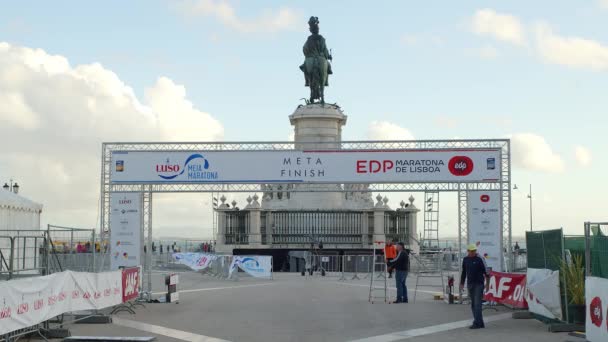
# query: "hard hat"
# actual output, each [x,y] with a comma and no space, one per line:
[472,247]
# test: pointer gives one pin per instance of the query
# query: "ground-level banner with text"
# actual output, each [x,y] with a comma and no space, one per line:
[125,229]
[508,289]
[30,301]
[485,228]
[543,294]
[596,296]
[195,261]
[130,283]
[259,266]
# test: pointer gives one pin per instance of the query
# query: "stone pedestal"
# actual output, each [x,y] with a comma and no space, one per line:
[317,127]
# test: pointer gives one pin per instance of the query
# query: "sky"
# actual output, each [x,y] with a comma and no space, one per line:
[76,74]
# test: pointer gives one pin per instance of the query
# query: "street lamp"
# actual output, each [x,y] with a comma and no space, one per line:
[530,198]
[13,187]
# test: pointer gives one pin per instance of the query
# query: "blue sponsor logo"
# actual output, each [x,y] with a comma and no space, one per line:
[249,264]
[196,167]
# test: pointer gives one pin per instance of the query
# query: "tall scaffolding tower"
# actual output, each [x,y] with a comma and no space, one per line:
[430,235]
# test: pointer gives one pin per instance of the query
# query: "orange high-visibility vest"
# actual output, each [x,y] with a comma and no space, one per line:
[390,252]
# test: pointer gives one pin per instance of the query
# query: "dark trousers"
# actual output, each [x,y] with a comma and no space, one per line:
[476,296]
[400,277]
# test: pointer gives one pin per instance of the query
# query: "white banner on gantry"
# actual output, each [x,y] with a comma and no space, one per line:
[336,166]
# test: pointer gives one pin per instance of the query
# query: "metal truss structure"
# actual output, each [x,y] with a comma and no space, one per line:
[503,185]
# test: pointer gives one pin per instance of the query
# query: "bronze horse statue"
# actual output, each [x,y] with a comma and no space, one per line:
[316,65]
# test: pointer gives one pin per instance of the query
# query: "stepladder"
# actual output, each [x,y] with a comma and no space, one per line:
[378,284]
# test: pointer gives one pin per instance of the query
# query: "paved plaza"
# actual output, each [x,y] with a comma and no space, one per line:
[295,308]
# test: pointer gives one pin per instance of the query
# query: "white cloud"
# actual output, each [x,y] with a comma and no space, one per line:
[530,151]
[603,3]
[274,20]
[570,51]
[503,27]
[54,117]
[384,130]
[582,155]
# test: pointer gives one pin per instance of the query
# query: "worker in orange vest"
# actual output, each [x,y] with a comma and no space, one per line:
[390,252]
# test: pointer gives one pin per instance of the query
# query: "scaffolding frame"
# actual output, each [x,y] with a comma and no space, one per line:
[503,185]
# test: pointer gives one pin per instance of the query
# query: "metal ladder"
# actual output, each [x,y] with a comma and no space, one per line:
[430,235]
[373,283]
[430,266]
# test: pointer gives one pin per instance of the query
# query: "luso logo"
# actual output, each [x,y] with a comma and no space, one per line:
[485,198]
[460,166]
[170,170]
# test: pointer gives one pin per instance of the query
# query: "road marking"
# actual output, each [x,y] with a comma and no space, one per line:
[160,330]
[391,288]
[406,334]
[214,288]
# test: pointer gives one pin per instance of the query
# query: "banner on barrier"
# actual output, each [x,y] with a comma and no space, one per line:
[485,226]
[596,296]
[125,229]
[195,261]
[324,166]
[507,288]
[30,301]
[258,266]
[543,294]
[130,284]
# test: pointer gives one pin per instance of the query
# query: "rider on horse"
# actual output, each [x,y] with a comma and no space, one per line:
[316,65]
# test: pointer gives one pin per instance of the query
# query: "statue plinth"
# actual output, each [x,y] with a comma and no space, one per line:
[317,126]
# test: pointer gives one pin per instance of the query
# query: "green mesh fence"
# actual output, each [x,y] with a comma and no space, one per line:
[599,256]
[544,249]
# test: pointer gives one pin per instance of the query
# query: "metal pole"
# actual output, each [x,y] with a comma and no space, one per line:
[149,248]
[564,279]
[588,249]
[530,197]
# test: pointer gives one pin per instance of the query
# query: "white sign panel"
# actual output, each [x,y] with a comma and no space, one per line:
[30,301]
[596,295]
[195,261]
[338,166]
[542,293]
[125,229]
[485,228]
[258,266]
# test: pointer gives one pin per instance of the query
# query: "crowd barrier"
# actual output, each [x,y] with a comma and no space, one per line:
[227,266]
[30,301]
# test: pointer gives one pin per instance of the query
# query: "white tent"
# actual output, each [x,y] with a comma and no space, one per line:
[18,212]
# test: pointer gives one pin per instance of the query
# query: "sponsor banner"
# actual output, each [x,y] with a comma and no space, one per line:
[255,265]
[336,166]
[125,229]
[485,228]
[508,289]
[195,261]
[596,296]
[130,284]
[30,301]
[543,294]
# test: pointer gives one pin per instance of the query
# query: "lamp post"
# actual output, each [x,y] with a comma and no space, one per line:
[530,198]
[13,187]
